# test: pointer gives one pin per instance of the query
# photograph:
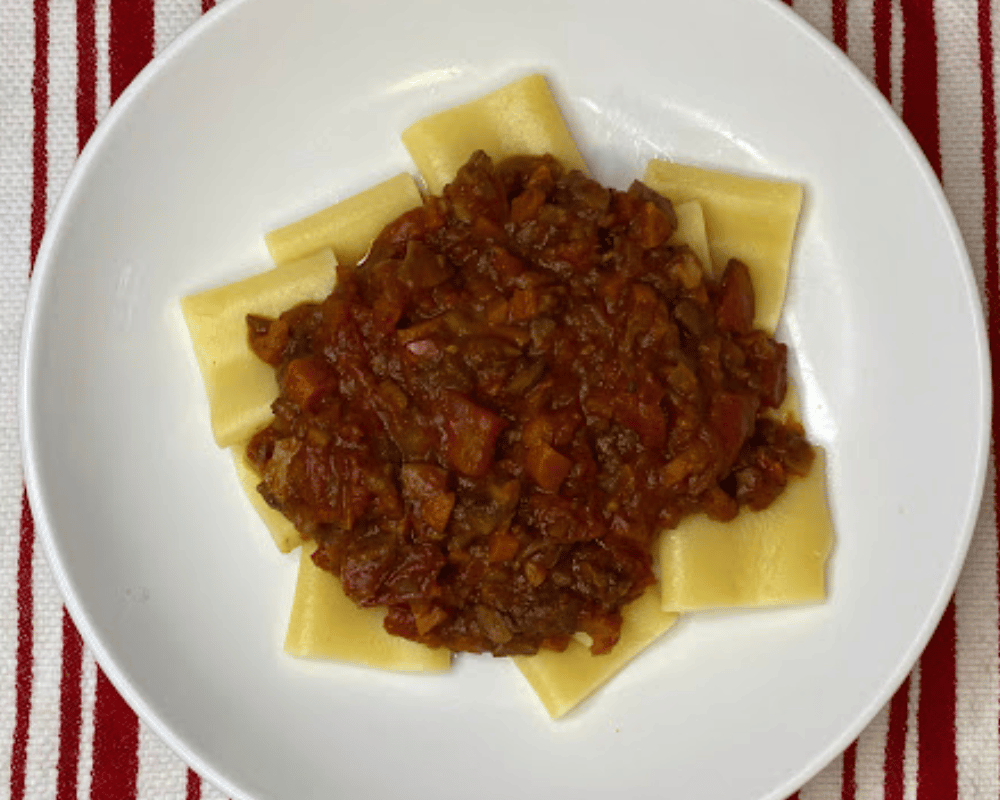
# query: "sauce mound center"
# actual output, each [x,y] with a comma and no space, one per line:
[490,418]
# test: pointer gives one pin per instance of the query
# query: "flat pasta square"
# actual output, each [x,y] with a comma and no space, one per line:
[564,680]
[286,537]
[347,227]
[325,623]
[521,118]
[751,219]
[772,557]
[240,386]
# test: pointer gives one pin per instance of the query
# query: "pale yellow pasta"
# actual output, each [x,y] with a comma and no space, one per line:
[762,558]
[521,118]
[691,231]
[240,386]
[325,623]
[285,535]
[347,227]
[751,219]
[563,680]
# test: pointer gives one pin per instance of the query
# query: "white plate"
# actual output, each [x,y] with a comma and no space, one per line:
[261,113]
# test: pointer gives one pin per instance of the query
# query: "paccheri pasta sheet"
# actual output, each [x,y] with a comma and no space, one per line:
[757,559]
[521,118]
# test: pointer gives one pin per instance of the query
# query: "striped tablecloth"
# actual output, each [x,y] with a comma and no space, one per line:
[64,731]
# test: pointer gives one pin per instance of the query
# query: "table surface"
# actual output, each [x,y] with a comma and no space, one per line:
[64,731]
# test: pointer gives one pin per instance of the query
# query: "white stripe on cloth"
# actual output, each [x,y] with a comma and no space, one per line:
[896,57]
[869,768]
[62,144]
[911,752]
[817,13]
[161,773]
[102,38]
[171,18]
[860,30]
[88,698]
[43,728]
[16,121]
[976,740]
[209,792]
[827,784]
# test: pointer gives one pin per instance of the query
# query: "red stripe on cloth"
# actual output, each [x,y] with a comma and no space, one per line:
[848,778]
[70,711]
[193,786]
[131,41]
[882,40]
[895,742]
[839,14]
[920,78]
[937,763]
[25,639]
[86,71]
[116,745]
[39,146]
[207,5]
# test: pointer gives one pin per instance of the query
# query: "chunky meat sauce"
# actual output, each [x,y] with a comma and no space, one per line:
[486,423]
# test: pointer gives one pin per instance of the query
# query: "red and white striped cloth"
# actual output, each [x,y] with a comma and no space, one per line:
[64,731]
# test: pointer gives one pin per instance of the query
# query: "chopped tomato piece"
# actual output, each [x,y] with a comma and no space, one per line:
[308,380]
[736,302]
[471,435]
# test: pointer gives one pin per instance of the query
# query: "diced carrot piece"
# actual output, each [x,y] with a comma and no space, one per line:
[503,546]
[427,616]
[548,466]
[308,380]
[437,511]
[524,305]
[526,205]
[653,227]
[538,430]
